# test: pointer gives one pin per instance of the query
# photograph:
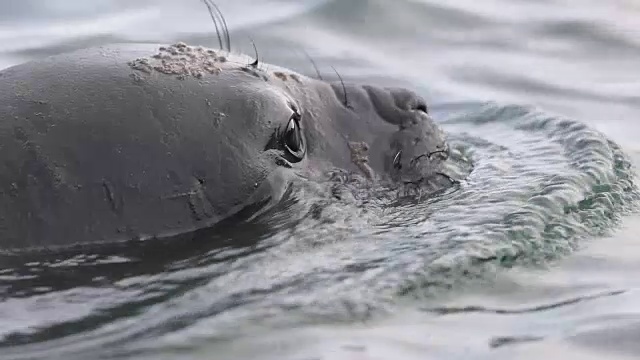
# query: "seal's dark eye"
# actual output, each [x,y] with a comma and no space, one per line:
[293,139]
[397,161]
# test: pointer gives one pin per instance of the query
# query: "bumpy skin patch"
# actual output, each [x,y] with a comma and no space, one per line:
[103,145]
[181,60]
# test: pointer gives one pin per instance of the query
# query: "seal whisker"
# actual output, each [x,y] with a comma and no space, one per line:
[313,63]
[255,63]
[344,89]
[215,21]
[216,14]
[224,25]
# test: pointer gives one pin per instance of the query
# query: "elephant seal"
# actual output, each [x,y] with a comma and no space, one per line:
[141,141]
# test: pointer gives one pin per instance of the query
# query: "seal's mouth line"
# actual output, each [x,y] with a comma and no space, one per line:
[413,161]
[429,156]
[444,152]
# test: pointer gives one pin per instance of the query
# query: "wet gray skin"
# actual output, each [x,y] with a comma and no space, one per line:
[141,141]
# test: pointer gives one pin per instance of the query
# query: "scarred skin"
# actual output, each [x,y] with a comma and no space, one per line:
[142,141]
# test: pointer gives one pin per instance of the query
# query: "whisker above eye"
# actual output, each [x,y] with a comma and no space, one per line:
[344,89]
[216,14]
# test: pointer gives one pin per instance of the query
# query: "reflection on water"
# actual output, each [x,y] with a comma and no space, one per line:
[530,256]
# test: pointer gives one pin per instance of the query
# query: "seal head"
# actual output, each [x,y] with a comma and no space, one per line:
[138,141]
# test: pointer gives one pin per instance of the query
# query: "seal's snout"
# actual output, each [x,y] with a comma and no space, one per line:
[406,143]
[417,148]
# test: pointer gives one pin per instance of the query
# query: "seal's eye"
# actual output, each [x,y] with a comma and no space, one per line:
[293,139]
[397,161]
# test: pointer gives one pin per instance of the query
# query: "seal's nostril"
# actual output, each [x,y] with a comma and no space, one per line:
[422,107]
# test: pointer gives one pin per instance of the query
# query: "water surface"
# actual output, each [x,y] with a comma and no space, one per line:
[531,255]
